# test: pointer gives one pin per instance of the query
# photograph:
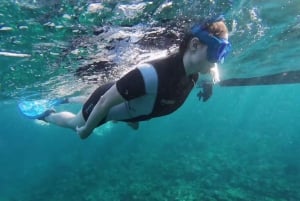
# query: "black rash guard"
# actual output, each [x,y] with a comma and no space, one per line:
[174,85]
[173,88]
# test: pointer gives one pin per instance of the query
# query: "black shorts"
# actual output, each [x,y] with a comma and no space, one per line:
[130,86]
[93,99]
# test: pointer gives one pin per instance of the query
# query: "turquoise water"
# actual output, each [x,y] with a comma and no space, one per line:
[243,144]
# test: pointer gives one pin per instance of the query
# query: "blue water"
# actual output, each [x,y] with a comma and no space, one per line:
[243,144]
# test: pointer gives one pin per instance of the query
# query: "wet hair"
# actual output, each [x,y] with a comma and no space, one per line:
[218,29]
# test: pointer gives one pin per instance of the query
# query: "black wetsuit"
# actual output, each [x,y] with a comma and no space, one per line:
[172,87]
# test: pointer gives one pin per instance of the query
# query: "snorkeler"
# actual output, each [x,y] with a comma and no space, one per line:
[152,89]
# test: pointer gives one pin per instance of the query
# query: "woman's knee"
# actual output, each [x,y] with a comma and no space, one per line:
[78,120]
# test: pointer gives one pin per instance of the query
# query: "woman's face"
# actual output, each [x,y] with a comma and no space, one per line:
[198,56]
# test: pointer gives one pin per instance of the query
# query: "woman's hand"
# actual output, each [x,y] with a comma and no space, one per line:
[83,131]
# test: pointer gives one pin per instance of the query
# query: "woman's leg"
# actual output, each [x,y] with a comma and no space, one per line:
[66,119]
[70,120]
[78,99]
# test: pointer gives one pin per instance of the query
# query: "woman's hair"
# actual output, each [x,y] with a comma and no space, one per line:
[218,29]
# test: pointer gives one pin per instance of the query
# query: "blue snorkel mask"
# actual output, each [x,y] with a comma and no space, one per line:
[217,48]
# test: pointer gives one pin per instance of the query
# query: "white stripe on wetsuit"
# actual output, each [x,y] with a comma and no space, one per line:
[142,105]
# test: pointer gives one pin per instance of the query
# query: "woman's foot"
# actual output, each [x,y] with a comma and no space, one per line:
[46,114]
[134,125]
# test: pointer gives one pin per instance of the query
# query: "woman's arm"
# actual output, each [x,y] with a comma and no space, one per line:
[111,98]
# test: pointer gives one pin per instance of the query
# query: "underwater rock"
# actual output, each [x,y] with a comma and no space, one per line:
[123,46]
[95,7]
[129,11]
[4,28]
[160,38]
[165,11]
[98,30]
[95,67]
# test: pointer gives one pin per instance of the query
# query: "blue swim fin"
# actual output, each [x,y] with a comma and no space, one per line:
[35,109]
